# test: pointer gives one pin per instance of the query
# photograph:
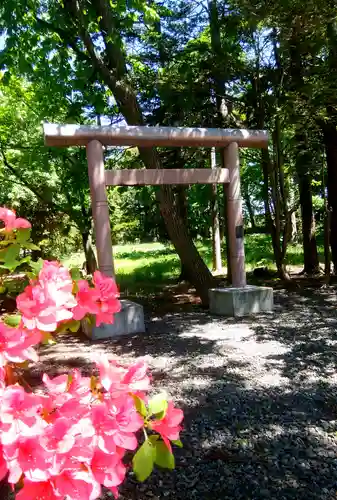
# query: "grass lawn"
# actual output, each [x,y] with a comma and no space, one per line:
[150,264]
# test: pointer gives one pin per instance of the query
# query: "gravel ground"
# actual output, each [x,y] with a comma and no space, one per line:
[259,395]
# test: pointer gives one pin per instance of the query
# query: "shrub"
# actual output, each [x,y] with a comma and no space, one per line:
[71,437]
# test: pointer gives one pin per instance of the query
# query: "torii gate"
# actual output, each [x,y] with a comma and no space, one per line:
[95,137]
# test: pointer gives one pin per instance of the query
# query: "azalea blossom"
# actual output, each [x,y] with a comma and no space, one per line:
[87,300]
[169,427]
[38,490]
[69,439]
[108,469]
[11,222]
[49,300]
[108,298]
[16,344]
[117,378]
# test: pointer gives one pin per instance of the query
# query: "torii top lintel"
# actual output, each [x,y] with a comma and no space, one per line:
[81,135]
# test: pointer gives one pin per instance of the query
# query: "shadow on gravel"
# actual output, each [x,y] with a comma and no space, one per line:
[308,328]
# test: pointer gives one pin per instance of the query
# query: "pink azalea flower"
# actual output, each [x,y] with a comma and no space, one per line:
[108,298]
[115,425]
[11,222]
[16,344]
[19,414]
[169,427]
[70,398]
[136,377]
[38,491]
[3,464]
[56,438]
[49,300]
[127,422]
[29,458]
[86,298]
[78,385]
[117,379]
[79,485]
[77,460]
[108,469]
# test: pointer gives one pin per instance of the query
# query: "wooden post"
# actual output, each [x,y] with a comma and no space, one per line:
[216,240]
[100,209]
[235,218]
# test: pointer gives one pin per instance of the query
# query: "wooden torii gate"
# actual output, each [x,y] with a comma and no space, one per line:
[94,138]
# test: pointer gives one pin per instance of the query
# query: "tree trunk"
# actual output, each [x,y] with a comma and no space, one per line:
[183,209]
[274,229]
[249,209]
[195,268]
[311,262]
[90,257]
[293,227]
[330,142]
[327,256]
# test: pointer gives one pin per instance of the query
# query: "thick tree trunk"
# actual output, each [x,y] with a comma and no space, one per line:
[330,142]
[90,257]
[311,262]
[195,268]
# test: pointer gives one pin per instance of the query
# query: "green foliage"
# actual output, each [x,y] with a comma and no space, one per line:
[163,457]
[143,460]
[158,406]
[218,64]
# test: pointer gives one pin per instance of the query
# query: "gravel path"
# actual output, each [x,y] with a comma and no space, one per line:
[259,395]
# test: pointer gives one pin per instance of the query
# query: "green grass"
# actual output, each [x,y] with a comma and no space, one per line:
[151,264]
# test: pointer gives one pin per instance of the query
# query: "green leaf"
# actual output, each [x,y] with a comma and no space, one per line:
[30,246]
[23,235]
[36,266]
[73,325]
[13,320]
[178,443]
[47,339]
[75,273]
[12,253]
[11,266]
[164,458]
[153,438]
[140,406]
[143,460]
[158,405]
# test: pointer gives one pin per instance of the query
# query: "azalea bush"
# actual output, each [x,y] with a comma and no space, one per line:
[73,434]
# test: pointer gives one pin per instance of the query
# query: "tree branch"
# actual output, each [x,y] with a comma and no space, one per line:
[19,176]
[65,37]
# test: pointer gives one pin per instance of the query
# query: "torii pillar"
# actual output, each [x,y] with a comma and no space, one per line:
[240,299]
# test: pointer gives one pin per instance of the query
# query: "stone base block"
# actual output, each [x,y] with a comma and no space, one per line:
[128,321]
[241,301]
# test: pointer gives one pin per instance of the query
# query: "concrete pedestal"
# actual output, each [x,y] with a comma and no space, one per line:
[241,301]
[128,321]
